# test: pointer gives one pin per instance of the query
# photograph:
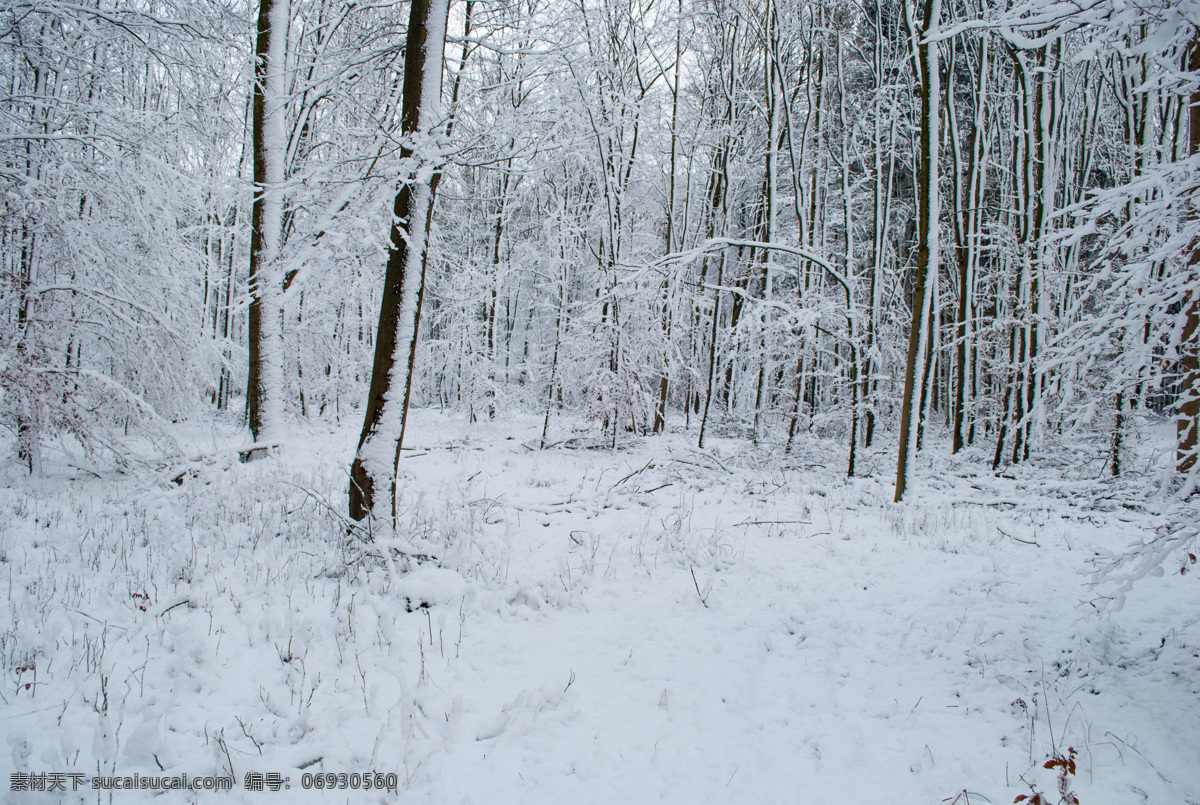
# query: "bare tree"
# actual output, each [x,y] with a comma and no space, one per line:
[377,459]
[264,388]
[927,67]
[1188,421]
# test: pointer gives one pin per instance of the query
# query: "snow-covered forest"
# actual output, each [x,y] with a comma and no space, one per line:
[602,400]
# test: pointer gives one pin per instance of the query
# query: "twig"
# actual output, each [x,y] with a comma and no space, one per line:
[1134,748]
[181,603]
[711,458]
[1046,704]
[703,598]
[246,732]
[350,526]
[105,624]
[1017,539]
[649,465]
[220,739]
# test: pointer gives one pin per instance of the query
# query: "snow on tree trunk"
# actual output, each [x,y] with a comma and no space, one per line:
[264,392]
[377,460]
[925,273]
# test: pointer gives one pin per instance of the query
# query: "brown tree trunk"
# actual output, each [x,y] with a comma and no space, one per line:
[1188,421]
[926,63]
[967,223]
[264,315]
[376,462]
[664,378]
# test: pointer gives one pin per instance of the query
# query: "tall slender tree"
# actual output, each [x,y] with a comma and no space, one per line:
[1188,417]
[928,70]
[264,390]
[376,463]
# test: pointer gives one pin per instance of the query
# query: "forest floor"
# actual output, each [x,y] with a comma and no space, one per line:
[654,623]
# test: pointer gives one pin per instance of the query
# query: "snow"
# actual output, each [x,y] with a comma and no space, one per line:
[429,116]
[652,623]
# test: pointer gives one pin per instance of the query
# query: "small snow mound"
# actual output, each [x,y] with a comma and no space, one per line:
[428,586]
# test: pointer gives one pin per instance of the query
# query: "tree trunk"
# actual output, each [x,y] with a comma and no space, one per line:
[927,245]
[377,460]
[1188,421]
[264,388]
[968,219]
[664,378]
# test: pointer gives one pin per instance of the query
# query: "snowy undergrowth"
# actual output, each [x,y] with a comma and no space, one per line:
[654,623]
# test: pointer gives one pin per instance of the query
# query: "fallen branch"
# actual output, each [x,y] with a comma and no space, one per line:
[1017,539]
[648,465]
[248,454]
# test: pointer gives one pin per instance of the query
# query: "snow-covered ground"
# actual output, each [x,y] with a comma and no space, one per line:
[653,623]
